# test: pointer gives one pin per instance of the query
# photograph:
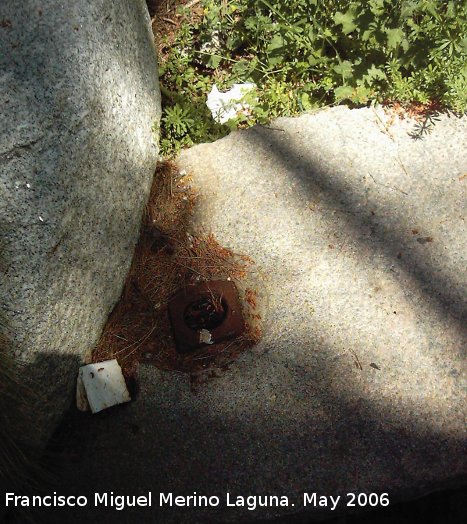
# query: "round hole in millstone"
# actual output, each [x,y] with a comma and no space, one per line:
[207,312]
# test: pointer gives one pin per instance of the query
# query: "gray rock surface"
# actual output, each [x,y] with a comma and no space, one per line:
[79,97]
[358,385]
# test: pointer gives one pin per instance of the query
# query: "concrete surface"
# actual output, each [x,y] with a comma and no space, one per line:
[79,97]
[358,385]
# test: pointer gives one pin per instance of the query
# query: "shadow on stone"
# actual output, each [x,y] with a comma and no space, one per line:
[161,444]
[391,236]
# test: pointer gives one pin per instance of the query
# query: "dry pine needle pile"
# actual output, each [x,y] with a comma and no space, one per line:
[166,259]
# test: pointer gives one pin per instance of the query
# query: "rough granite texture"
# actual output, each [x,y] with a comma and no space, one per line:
[79,97]
[358,384]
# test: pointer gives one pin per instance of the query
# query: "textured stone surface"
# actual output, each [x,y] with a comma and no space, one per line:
[358,384]
[79,96]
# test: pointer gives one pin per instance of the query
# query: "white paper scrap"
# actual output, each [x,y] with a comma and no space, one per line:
[101,386]
[228,105]
[205,337]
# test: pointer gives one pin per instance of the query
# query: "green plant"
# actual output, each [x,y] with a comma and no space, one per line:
[304,54]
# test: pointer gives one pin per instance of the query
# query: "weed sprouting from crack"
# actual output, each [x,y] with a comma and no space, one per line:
[425,126]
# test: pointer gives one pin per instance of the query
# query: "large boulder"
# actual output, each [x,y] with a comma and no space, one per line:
[79,106]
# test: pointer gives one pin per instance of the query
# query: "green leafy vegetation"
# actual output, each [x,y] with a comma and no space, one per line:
[305,54]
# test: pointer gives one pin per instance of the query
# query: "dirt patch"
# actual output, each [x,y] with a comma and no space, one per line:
[166,19]
[415,110]
[167,258]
